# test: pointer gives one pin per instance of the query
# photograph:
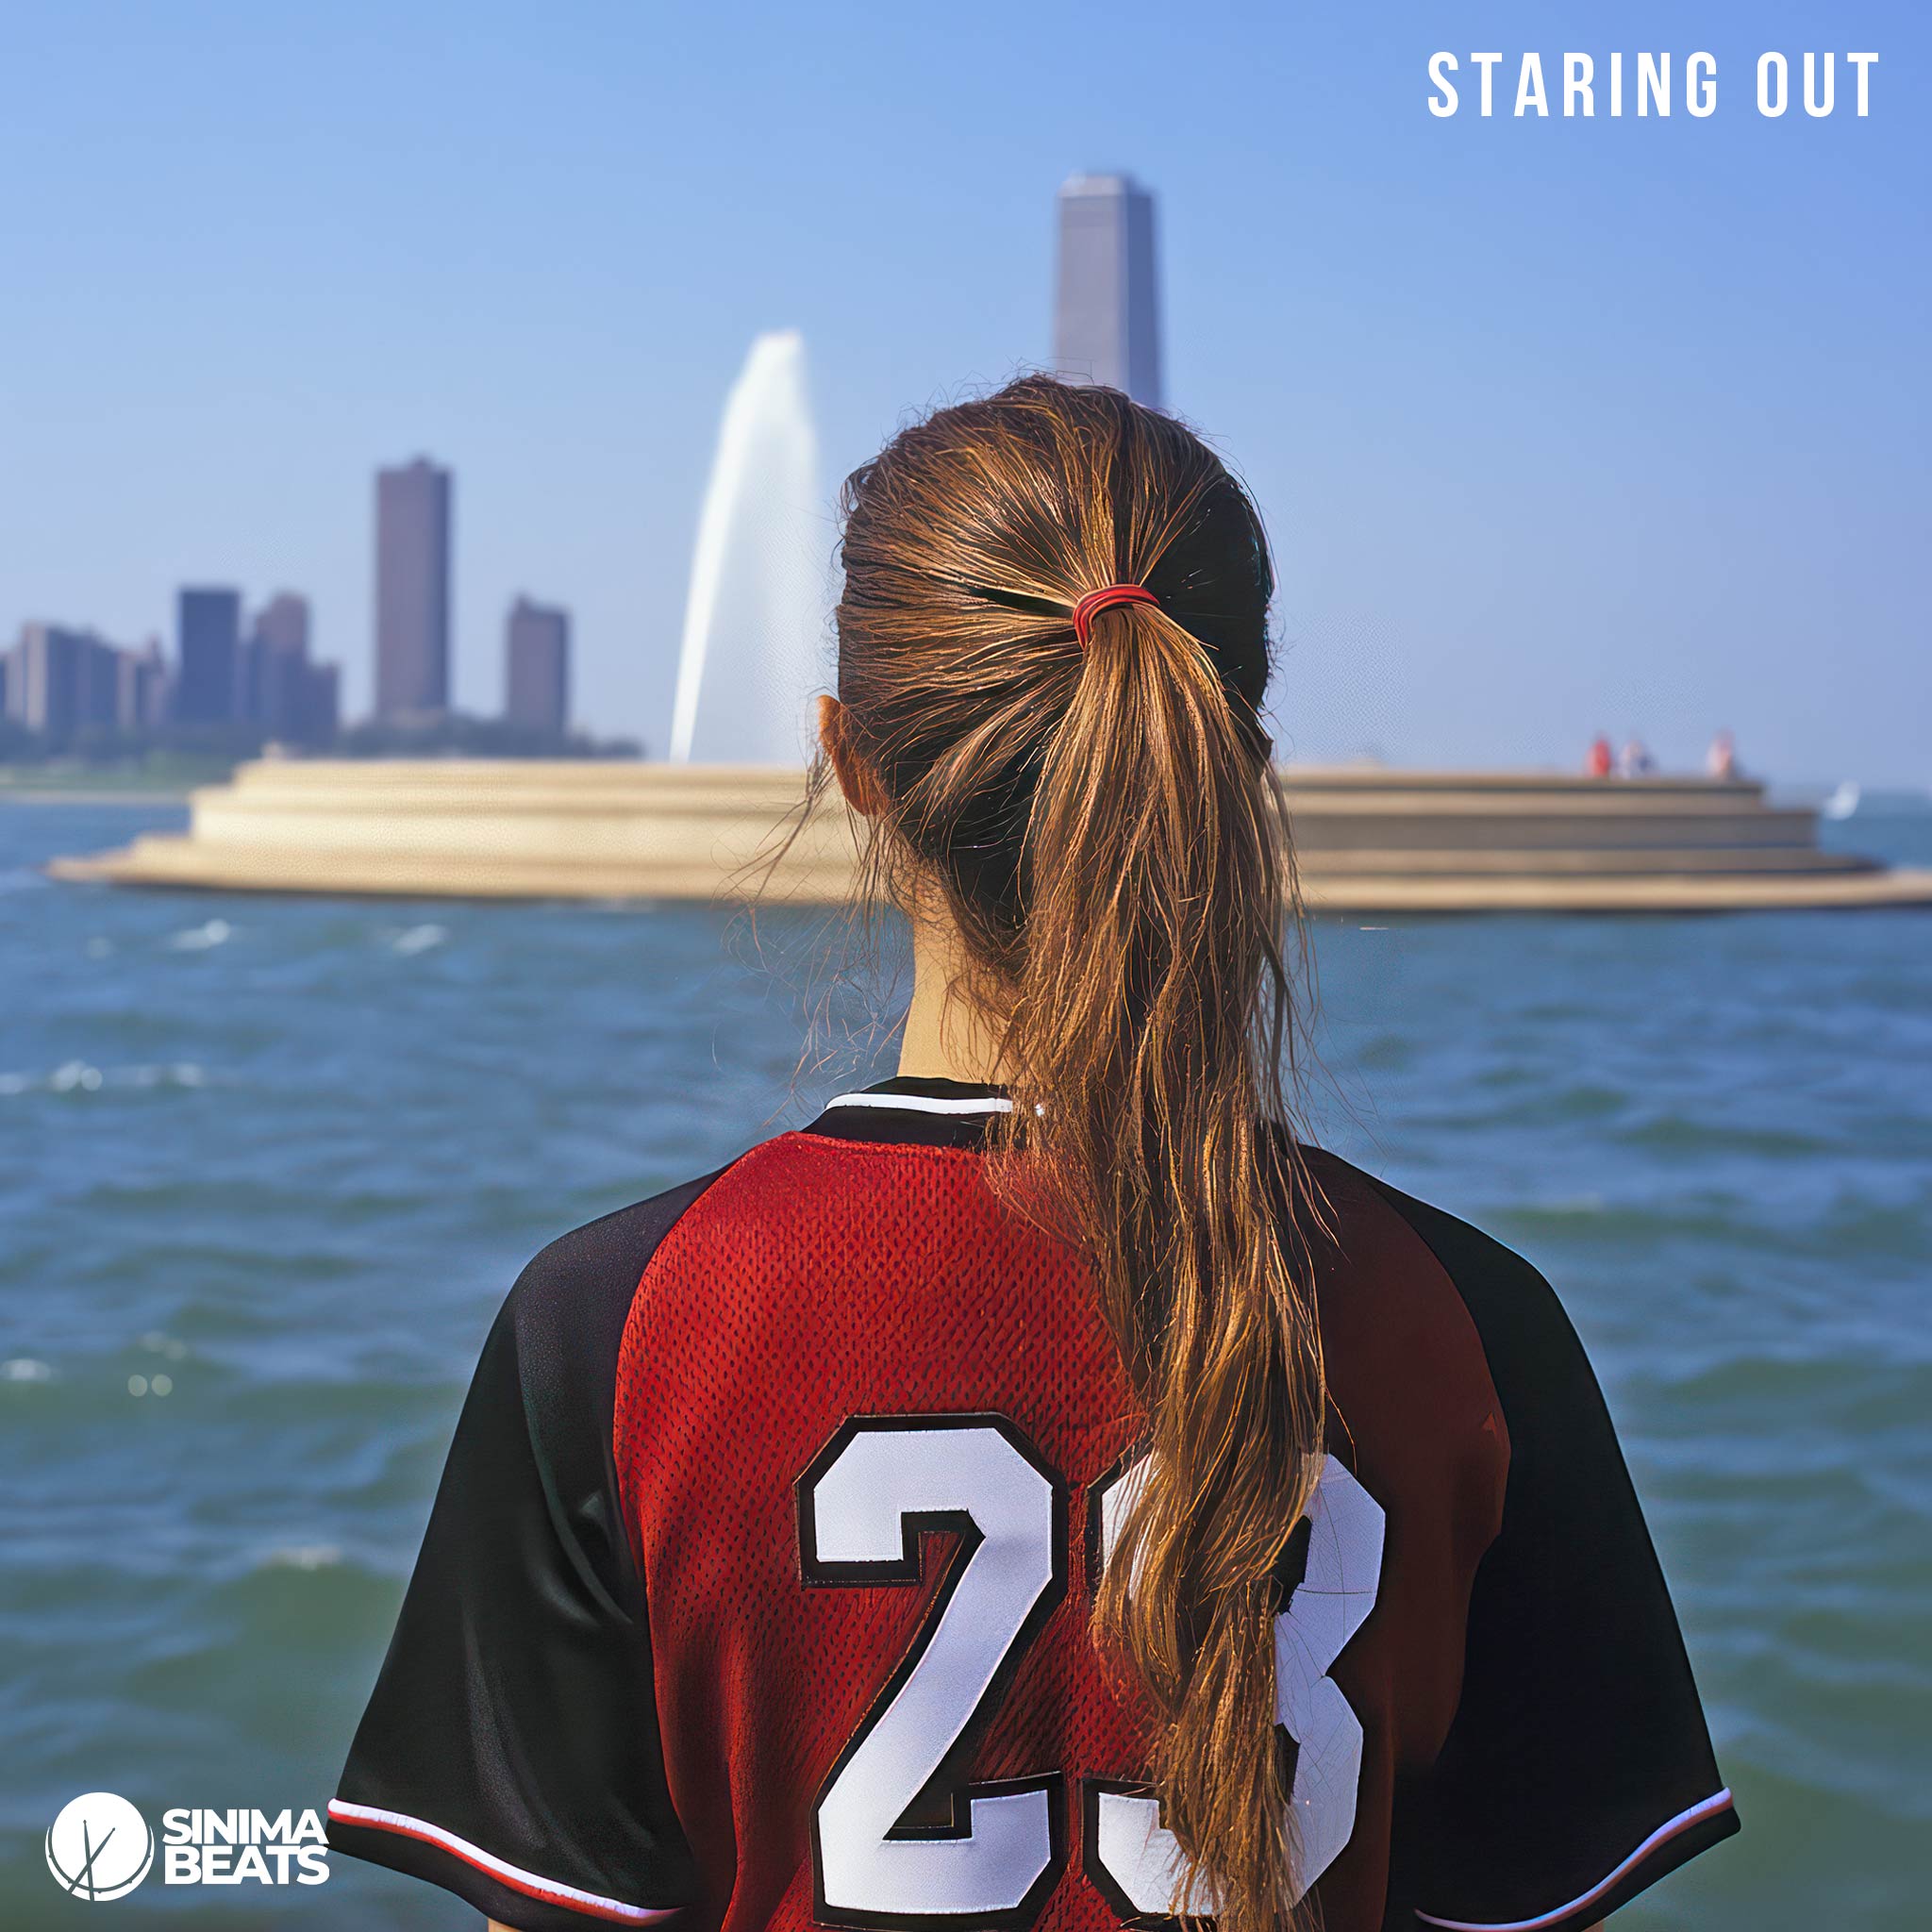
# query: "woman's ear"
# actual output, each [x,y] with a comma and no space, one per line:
[857,779]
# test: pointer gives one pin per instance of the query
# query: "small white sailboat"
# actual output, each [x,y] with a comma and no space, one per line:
[1843,802]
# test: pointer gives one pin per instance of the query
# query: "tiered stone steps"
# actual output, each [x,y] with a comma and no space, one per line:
[1367,839]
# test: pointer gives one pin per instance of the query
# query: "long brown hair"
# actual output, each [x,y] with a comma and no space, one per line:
[1104,827]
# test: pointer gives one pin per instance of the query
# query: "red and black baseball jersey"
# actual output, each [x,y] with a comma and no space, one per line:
[757,1588]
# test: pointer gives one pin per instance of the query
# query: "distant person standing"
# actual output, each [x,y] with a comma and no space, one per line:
[1634,760]
[1721,760]
[1597,761]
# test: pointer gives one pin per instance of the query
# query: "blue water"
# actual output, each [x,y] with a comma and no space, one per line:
[288,1155]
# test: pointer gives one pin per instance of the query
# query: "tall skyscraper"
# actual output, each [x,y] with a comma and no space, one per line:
[1107,319]
[535,668]
[292,698]
[278,665]
[207,642]
[412,545]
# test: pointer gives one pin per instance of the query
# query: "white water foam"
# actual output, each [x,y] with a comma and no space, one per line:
[303,1557]
[201,938]
[78,1077]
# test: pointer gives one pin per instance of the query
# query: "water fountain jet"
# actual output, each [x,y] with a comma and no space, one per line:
[754,614]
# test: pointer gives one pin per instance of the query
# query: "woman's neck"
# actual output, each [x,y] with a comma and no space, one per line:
[946,1035]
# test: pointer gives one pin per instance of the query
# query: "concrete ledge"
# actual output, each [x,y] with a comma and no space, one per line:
[1651,892]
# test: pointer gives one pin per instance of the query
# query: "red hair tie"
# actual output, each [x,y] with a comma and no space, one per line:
[1094,601]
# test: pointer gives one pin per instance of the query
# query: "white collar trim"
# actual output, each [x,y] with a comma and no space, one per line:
[925,1103]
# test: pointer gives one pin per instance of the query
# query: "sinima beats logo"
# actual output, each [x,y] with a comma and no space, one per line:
[100,1847]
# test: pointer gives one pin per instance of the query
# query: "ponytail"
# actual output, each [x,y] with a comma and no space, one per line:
[1100,814]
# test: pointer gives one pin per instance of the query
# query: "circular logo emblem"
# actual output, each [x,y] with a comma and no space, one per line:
[100,1847]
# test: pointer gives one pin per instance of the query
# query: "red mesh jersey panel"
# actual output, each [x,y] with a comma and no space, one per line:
[819,1280]
[822,1279]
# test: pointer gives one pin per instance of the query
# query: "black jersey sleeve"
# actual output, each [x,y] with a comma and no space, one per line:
[1579,1770]
[510,1751]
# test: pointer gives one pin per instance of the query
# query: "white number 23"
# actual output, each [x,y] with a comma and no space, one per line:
[899,1835]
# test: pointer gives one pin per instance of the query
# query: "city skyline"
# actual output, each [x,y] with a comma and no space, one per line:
[71,690]
[62,682]
[1557,427]
[69,686]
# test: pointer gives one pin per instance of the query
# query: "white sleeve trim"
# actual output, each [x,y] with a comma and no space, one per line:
[1707,1808]
[528,1883]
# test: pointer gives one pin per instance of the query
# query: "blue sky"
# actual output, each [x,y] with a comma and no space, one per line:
[1556,426]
